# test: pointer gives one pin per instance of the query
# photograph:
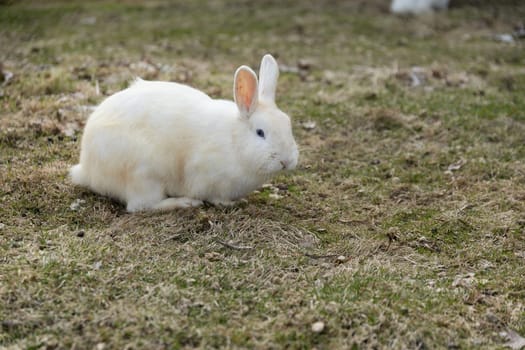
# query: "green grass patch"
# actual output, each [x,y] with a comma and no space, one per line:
[401,228]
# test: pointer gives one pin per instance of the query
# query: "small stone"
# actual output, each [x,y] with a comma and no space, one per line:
[2,225]
[309,125]
[341,259]
[81,233]
[318,327]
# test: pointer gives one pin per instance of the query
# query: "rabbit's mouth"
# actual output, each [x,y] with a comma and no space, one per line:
[288,165]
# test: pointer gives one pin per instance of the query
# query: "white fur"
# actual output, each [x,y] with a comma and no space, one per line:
[417,6]
[161,145]
[269,78]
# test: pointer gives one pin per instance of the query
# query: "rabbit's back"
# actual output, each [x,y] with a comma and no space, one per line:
[150,103]
[151,129]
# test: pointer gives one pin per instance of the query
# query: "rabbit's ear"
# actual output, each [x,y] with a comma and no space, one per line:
[245,90]
[268,74]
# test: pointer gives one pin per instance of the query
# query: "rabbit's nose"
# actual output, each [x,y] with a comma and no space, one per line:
[289,164]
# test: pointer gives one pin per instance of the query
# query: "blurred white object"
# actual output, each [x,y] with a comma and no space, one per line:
[417,6]
[505,38]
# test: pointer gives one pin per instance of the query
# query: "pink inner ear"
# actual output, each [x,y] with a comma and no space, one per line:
[246,87]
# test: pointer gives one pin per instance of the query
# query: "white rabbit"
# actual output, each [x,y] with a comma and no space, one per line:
[163,145]
[417,6]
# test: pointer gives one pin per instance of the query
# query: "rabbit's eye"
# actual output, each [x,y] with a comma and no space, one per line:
[260,133]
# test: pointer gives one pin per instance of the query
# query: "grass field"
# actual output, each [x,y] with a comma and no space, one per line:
[402,228]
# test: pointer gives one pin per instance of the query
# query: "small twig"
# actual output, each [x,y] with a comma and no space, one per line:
[172,237]
[409,260]
[231,246]
[466,206]
[313,256]
[352,221]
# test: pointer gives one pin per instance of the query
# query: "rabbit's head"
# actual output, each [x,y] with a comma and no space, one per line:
[269,145]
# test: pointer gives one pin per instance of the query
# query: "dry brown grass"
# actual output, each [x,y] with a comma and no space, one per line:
[402,228]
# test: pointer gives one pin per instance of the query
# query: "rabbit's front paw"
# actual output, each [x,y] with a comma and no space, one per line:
[223,203]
